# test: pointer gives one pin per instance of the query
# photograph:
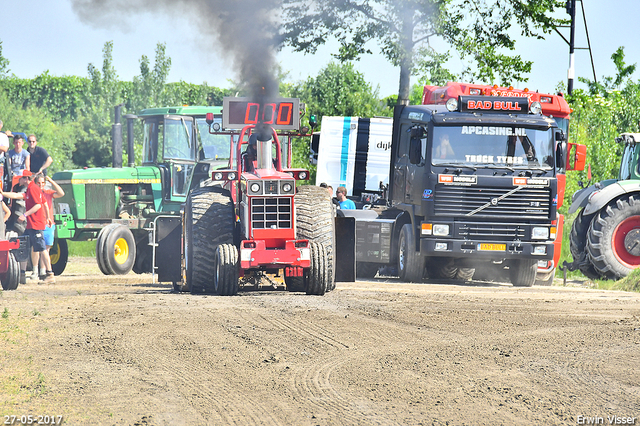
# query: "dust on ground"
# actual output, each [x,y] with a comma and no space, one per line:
[123,351]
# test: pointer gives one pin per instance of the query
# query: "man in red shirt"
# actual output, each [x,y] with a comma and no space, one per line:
[36,216]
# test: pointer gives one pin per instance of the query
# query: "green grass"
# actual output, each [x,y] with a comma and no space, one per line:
[629,283]
[82,248]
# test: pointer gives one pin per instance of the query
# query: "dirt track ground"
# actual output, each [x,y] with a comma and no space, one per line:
[122,351]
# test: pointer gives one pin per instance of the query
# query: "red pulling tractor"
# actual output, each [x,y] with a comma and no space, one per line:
[249,219]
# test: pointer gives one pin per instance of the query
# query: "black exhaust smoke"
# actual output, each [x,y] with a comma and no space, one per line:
[243,30]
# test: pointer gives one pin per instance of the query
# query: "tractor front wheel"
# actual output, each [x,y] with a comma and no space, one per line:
[59,254]
[118,250]
[225,279]
[319,275]
[11,279]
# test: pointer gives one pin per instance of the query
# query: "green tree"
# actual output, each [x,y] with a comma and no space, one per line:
[479,30]
[623,74]
[337,90]
[4,64]
[57,138]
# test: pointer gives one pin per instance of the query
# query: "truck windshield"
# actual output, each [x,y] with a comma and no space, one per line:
[514,147]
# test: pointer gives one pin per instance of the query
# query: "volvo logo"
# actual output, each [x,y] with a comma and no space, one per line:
[494,201]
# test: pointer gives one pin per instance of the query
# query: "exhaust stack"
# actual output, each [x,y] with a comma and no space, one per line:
[116,139]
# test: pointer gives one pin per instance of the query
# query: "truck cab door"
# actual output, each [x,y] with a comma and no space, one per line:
[177,156]
[401,165]
[408,168]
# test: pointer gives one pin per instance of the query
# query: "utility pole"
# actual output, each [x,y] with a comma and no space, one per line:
[571,10]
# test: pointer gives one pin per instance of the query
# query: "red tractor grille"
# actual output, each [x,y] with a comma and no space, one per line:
[271,213]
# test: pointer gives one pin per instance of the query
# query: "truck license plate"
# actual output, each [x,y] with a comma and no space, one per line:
[492,247]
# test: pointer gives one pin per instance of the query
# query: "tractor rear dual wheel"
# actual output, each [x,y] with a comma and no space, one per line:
[445,268]
[315,222]
[578,245]
[209,223]
[614,238]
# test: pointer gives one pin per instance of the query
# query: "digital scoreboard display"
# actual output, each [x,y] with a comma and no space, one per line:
[279,113]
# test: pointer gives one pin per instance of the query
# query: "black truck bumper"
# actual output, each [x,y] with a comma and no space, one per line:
[433,246]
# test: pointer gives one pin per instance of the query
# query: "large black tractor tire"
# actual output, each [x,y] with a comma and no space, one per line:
[614,238]
[11,279]
[59,255]
[118,250]
[315,222]
[465,274]
[367,270]
[209,222]
[441,267]
[578,245]
[319,275]
[522,273]
[410,263]
[101,248]
[225,279]
[445,268]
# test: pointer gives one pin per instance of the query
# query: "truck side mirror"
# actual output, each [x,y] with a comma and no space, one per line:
[415,150]
[576,156]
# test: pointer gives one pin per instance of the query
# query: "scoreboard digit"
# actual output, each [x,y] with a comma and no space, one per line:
[279,113]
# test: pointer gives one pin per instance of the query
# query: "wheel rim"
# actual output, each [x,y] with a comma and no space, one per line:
[54,253]
[623,245]
[121,251]
[402,253]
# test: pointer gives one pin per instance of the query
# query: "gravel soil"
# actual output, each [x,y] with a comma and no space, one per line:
[120,350]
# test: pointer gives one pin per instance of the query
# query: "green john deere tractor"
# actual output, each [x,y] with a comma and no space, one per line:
[605,236]
[131,210]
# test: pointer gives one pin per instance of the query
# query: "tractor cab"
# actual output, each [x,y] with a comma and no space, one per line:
[175,140]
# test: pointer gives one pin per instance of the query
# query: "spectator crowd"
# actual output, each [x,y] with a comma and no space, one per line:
[26,196]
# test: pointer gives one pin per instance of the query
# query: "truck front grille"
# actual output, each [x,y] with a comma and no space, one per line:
[492,231]
[462,201]
[271,213]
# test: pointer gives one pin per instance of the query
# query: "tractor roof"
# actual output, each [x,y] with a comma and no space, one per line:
[181,110]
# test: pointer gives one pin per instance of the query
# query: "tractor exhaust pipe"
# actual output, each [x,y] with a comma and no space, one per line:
[131,155]
[265,153]
[116,138]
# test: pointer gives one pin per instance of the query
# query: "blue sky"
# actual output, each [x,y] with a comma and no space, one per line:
[39,35]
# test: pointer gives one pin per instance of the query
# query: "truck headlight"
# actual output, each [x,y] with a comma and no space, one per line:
[540,233]
[440,229]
